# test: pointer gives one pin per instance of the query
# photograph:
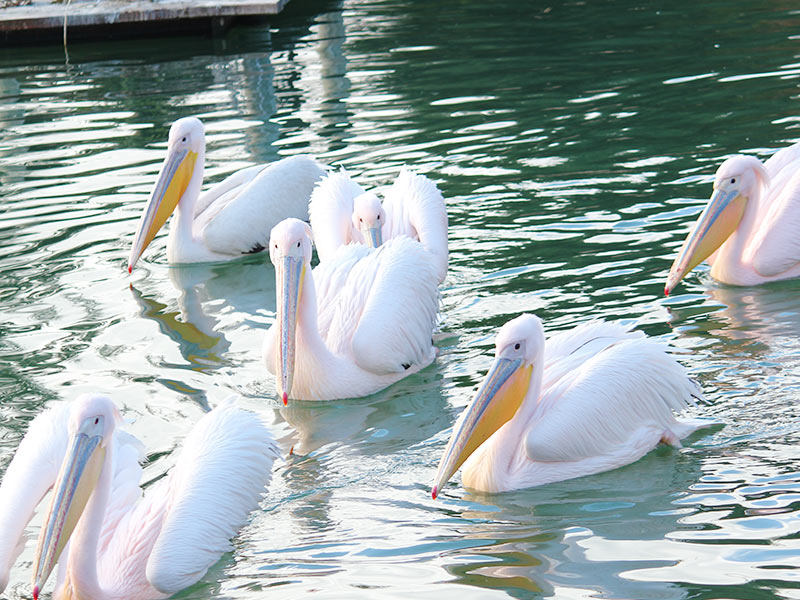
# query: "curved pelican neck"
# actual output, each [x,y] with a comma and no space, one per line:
[81,570]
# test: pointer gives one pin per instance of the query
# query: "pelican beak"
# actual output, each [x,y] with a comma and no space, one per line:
[290,274]
[497,400]
[173,179]
[373,235]
[76,481]
[717,222]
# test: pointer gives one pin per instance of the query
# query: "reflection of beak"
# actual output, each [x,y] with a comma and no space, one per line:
[76,481]
[373,236]
[173,179]
[497,400]
[290,272]
[717,222]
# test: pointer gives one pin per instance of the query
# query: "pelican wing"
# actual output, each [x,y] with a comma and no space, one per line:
[227,189]
[415,208]
[783,158]
[29,476]
[219,478]
[601,402]
[337,282]
[379,305]
[239,216]
[331,211]
[775,247]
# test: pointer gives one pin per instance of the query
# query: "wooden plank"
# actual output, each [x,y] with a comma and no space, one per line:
[116,12]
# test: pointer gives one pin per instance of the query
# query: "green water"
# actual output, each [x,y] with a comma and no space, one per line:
[575,143]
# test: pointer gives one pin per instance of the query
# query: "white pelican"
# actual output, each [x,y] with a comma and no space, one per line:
[235,216]
[341,212]
[748,231]
[589,400]
[121,545]
[360,321]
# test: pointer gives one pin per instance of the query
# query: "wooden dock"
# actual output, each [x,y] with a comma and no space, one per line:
[42,22]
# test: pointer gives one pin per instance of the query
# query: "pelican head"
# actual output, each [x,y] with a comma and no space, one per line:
[738,179]
[290,252]
[186,143]
[91,425]
[369,217]
[519,346]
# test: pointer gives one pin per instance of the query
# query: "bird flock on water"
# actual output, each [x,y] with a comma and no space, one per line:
[577,402]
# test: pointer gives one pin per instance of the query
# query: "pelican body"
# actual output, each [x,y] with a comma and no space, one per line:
[342,212]
[232,218]
[585,401]
[109,542]
[361,320]
[748,232]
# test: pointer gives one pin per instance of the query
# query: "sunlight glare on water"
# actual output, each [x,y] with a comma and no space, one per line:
[575,144]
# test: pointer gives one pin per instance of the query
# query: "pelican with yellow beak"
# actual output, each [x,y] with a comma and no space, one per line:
[585,401]
[232,218]
[360,321]
[109,542]
[748,232]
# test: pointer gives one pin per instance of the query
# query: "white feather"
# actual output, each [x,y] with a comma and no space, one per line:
[223,469]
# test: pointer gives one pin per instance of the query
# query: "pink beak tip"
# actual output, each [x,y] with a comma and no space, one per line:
[285,399]
[36,592]
[434,493]
[130,269]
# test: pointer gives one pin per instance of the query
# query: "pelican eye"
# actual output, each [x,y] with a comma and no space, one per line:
[96,420]
[379,217]
[733,180]
[184,139]
[298,244]
[516,346]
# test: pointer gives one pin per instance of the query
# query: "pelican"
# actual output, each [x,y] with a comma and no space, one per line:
[233,217]
[110,543]
[748,230]
[358,322]
[587,400]
[342,212]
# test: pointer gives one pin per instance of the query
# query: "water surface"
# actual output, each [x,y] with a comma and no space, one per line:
[575,143]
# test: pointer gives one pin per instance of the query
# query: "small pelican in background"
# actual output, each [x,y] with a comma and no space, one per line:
[120,545]
[235,216]
[586,401]
[342,212]
[748,232]
[361,320]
